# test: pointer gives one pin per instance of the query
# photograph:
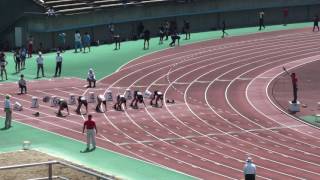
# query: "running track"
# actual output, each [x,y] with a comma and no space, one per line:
[223,111]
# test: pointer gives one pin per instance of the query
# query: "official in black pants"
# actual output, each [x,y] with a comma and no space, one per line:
[40,65]
[58,64]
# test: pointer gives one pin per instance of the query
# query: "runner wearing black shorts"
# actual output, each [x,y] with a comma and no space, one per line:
[137,98]
[82,101]
[62,105]
[120,100]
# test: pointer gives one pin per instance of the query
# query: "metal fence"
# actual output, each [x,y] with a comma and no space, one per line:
[50,170]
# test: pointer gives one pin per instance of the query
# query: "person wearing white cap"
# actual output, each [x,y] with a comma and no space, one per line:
[40,65]
[249,170]
[58,64]
[7,109]
[91,78]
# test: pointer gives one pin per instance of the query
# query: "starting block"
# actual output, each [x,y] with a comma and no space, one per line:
[54,101]
[34,102]
[294,107]
[128,94]
[108,96]
[17,106]
[147,94]
[72,99]
[92,98]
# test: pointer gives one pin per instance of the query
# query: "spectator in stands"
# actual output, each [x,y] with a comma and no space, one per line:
[77,42]
[315,23]
[261,20]
[249,170]
[186,29]
[30,46]
[285,16]
[91,78]
[8,110]
[86,42]
[91,128]
[22,85]
[3,64]
[17,60]
[117,41]
[40,64]
[146,37]
[62,41]
[161,34]
[23,56]
[224,29]
[58,64]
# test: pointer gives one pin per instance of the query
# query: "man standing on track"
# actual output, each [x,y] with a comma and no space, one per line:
[294,80]
[249,170]
[91,128]
[7,109]
[40,65]
[58,64]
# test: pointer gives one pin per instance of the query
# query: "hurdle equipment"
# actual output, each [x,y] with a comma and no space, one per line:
[128,94]
[108,96]
[34,102]
[148,94]
[17,106]
[92,98]
[54,101]
[72,99]
[294,107]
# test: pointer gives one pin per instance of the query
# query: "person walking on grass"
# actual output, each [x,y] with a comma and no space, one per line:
[86,42]
[315,23]
[8,111]
[3,64]
[23,56]
[249,170]
[17,60]
[91,128]
[58,64]
[146,37]
[224,29]
[40,64]
[186,29]
[261,20]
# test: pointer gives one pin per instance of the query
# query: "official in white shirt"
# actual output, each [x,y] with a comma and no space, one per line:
[58,64]
[91,78]
[249,170]
[77,41]
[40,65]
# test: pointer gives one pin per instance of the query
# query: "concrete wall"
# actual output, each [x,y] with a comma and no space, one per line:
[203,15]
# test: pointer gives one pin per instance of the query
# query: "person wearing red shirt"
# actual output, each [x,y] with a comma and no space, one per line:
[91,128]
[294,80]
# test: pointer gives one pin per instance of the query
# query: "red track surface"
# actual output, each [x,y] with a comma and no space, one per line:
[223,110]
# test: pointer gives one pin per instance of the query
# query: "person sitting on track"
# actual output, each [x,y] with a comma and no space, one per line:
[91,78]
[137,97]
[101,101]
[82,101]
[62,105]
[120,100]
[157,95]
